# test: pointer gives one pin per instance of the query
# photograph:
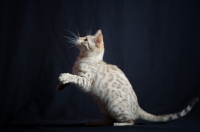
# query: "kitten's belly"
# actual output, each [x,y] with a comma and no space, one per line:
[109,91]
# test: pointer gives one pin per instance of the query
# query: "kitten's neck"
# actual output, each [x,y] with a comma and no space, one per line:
[91,56]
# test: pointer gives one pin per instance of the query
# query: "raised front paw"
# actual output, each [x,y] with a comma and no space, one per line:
[65,78]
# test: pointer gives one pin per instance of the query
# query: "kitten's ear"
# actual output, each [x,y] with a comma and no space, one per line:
[98,32]
[99,37]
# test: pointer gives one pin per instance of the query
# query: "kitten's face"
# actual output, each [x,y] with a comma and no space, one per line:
[91,43]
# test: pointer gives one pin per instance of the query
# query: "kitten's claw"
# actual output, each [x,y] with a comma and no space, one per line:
[64,78]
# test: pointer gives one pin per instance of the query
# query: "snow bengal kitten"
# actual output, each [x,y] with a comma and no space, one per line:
[108,86]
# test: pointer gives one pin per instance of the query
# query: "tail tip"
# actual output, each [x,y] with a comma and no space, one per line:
[193,101]
[196,99]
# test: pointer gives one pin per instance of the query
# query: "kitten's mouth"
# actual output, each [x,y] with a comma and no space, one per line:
[82,42]
[78,43]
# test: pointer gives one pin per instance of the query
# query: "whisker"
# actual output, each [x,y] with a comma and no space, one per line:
[71,46]
[66,41]
[70,38]
[72,41]
[90,31]
[78,32]
[73,34]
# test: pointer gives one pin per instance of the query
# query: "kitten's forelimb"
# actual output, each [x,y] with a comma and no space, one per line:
[81,82]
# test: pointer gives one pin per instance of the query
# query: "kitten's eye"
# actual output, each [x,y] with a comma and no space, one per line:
[86,39]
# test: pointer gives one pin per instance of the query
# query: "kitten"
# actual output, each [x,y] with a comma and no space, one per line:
[108,86]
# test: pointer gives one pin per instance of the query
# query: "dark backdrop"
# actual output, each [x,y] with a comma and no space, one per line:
[155,42]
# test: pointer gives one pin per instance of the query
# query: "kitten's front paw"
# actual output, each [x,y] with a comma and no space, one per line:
[65,78]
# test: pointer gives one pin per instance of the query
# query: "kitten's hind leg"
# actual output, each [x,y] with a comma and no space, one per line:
[128,123]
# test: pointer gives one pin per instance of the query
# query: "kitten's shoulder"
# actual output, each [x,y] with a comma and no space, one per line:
[112,67]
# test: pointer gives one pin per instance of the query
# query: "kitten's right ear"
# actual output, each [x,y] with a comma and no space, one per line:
[99,37]
[98,32]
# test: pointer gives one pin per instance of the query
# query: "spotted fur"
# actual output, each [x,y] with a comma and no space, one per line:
[108,86]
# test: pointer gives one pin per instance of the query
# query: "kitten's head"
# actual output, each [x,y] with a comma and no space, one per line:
[92,44]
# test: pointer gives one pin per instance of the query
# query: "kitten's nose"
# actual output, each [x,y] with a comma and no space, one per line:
[80,39]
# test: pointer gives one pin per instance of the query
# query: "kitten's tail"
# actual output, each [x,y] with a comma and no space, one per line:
[164,118]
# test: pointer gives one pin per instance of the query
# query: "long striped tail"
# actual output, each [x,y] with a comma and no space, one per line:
[164,118]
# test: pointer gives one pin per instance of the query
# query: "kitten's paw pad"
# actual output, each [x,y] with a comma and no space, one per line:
[64,78]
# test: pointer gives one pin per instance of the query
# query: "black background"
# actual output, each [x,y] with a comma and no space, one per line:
[155,42]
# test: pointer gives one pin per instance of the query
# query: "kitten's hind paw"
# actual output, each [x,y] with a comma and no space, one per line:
[130,123]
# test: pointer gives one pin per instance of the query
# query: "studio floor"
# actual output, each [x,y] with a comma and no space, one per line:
[181,125]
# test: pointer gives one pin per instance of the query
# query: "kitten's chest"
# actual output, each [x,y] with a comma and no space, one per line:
[86,68]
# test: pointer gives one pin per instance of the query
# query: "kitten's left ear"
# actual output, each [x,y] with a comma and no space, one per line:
[99,37]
